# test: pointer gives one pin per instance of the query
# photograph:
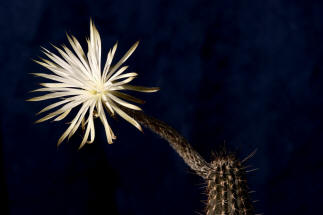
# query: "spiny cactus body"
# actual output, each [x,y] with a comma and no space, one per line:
[227,188]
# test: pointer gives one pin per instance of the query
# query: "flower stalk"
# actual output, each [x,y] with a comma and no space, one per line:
[227,188]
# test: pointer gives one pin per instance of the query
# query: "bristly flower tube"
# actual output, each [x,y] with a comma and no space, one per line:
[80,81]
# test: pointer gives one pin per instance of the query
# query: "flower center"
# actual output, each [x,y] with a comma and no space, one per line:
[99,91]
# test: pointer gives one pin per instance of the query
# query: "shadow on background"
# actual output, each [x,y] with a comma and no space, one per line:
[88,169]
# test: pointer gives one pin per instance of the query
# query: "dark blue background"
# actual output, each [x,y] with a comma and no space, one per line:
[245,72]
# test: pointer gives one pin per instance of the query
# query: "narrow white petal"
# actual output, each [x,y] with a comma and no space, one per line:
[130,74]
[75,65]
[66,80]
[94,52]
[99,107]
[92,133]
[123,103]
[80,120]
[73,124]
[66,107]
[63,115]
[56,104]
[54,95]
[57,85]
[52,67]
[109,133]
[107,101]
[109,61]
[78,50]
[136,88]
[58,61]
[123,82]
[96,43]
[89,127]
[120,71]
[127,97]
[124,58]
[91,122]
[127,117]
[62,89]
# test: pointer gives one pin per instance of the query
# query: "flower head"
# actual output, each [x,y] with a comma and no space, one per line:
[79,81]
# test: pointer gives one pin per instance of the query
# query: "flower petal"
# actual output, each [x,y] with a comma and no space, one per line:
[130,74]
[54,95]
[127,97]
[79,116]
[123,82]
[80,120]
[120,71]
[109,61]
[109,133]
[66,107]
[124,58]
[78,50]
[127,117]
[136,88]
[90,127]
[63,115]
[123,103]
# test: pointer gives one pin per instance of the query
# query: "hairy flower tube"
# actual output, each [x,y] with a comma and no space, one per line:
[78,81]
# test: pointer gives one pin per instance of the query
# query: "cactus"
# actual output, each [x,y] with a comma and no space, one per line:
[226,183]
[227,188]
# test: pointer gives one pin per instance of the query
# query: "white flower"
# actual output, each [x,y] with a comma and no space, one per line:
[80,82]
